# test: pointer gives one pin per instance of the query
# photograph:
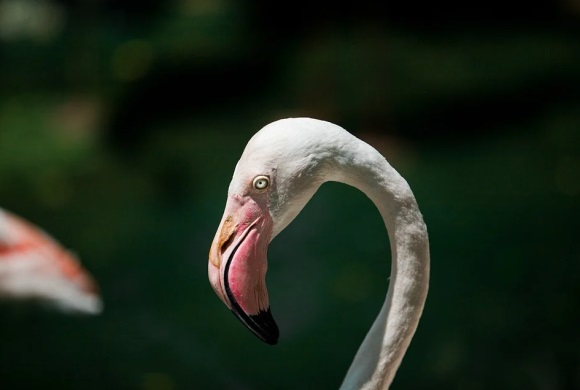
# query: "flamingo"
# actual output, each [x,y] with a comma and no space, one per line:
[33,266]
[280,169]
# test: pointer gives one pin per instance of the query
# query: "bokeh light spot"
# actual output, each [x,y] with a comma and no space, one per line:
[132,60]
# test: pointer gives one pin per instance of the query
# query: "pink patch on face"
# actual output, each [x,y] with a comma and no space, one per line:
[247,265]
[247,273]
[237,259]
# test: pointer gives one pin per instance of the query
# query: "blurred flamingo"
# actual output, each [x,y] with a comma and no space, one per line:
[34,267]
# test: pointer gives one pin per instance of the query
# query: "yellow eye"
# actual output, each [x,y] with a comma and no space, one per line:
[261,182]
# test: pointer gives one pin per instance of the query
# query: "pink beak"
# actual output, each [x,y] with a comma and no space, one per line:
[238,264]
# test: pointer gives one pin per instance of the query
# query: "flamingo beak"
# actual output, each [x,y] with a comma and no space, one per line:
[238,264]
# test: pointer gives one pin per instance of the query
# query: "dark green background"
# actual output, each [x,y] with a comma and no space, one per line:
[121,123]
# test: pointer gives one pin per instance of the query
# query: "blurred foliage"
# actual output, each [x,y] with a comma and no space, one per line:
[120,126]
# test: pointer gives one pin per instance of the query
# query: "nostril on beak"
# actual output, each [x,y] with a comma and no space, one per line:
[225,244]
[227,234]
[222,241]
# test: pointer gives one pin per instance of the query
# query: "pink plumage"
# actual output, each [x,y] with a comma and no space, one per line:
[33,266]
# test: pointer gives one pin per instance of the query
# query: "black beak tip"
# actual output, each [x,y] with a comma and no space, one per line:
[269,341]
[262,325]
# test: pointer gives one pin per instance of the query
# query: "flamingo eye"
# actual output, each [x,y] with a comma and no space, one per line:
[261,182]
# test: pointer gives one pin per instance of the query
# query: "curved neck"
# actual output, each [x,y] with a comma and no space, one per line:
[382,350]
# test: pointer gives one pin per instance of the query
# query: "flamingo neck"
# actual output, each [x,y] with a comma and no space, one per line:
[384,346]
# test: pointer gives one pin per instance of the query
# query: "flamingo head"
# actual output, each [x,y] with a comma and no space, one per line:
[275,177]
